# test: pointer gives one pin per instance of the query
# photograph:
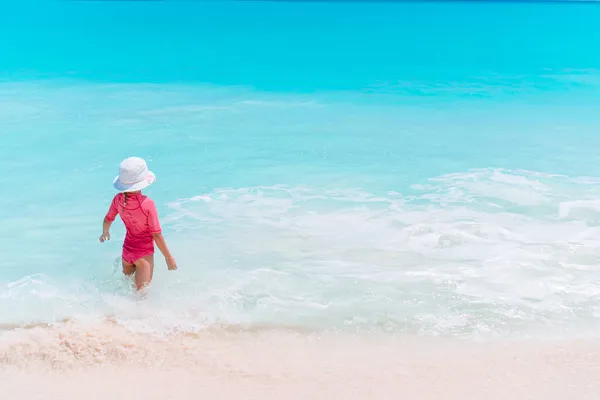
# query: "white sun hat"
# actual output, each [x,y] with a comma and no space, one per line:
[133,175]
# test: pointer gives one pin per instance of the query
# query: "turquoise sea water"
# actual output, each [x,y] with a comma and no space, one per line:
[408,167]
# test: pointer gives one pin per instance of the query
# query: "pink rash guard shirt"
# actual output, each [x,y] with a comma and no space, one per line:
[141,221]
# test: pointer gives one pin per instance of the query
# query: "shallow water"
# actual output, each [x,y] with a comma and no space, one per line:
[412,168]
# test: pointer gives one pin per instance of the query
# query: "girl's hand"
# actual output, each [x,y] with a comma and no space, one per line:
[104,237]
[171,263]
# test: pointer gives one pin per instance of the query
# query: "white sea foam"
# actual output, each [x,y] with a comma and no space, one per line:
[461,255]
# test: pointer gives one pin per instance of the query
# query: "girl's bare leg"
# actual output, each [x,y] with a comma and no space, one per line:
[144,269]
[128,268]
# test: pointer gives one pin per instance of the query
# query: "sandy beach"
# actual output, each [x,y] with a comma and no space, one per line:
[109,362]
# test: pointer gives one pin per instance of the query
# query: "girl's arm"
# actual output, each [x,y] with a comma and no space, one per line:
[108,220]
[154,225]
[162,245]
[105,230]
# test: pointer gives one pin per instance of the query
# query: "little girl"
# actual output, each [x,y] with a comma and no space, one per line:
[140,217]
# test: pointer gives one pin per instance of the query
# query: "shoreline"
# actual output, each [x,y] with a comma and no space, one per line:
[91,363]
